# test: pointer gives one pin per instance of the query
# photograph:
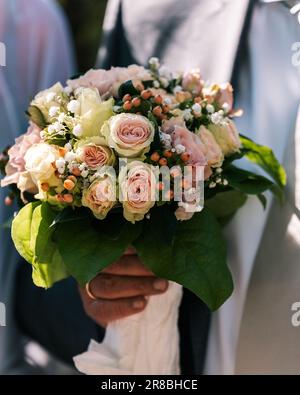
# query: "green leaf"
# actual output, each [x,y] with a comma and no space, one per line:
[247,182]
[127,87]
[265,158]
[196,258]
[92,245]
[225,204]
[36,116]
[261,197]
[21,231]
[32,237]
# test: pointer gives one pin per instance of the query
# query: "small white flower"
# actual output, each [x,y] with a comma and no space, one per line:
[148,216]
[50,96]
[84,173]
[164,82]
[177,89]
[173,150]
[187,114]
[167,100]
[73,106]
[216,118]
[196,108]
[70,156]
[165,72]
[219,180]
[58,126]
[179,148]
[116,108]
[51,129]
[60,165]
[210,108]
[77,130]
[156,84]
[212,184]
[225,182]
[82,167]
[219,170]
[53,111]
[68,147]
[61,117]
[154,63]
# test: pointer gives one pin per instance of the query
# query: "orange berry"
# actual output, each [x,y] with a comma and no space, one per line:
[155,157]
[197,100]
[185,157]
[8,201]
[76,172]
[62,151]
[72,178]
[68,198]
[160,186]
[59,198]
[127,105]
[45,186]
[168,154]
[157,111]
[146,94]
[166,108]
[158,99]
[136,102]
[163,161]
[126,97]
[69,185]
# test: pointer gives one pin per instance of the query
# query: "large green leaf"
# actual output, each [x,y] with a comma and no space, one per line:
[265,158]
[247,182]
[225,204]
[48,266]
[21,231]
[36,116]
[90,245]
[196,258]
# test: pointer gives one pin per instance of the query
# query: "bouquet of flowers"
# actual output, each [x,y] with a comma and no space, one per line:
[134,157]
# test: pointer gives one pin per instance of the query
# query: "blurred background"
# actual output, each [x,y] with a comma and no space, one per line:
[85,19]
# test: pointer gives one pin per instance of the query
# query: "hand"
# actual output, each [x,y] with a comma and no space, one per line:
[121,289]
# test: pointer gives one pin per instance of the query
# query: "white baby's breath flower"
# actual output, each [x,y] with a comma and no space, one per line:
[61,117]
[196,108]
[164,82]
[210,108]
[73,106]
[177,89]
[167,100]
[116,108]
[225,107]
[225,182]
[165,72]
[70,156]
[212,185]
[216,118]
[179,148]
[154,63]
[68,147]
[53,111]
[156,84]
[51,129]
[58,126]
[84,173]
[60,165]
[187,114]
[77,130]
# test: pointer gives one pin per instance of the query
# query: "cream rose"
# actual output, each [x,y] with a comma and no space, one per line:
[94,152]
[39,160]
[92,112]
[129,134]
[100,197]
[137,185]
[226,136]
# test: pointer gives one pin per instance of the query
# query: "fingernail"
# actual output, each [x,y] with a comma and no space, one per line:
[160,285]
[138,304]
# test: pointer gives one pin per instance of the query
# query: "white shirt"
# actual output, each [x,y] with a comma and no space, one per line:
[269,93]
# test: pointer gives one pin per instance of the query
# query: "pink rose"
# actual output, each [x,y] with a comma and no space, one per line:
[130,135]
[213,152]
[224,96]
[192,82]
[16,165]
[137,182]
[108,81]
[168,125]
[95,156]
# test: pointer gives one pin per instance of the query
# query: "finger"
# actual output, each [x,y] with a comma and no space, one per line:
[107,286]
[105,311]
[128,265]
[130,251]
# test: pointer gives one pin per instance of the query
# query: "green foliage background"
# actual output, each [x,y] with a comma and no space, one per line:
[85,18]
